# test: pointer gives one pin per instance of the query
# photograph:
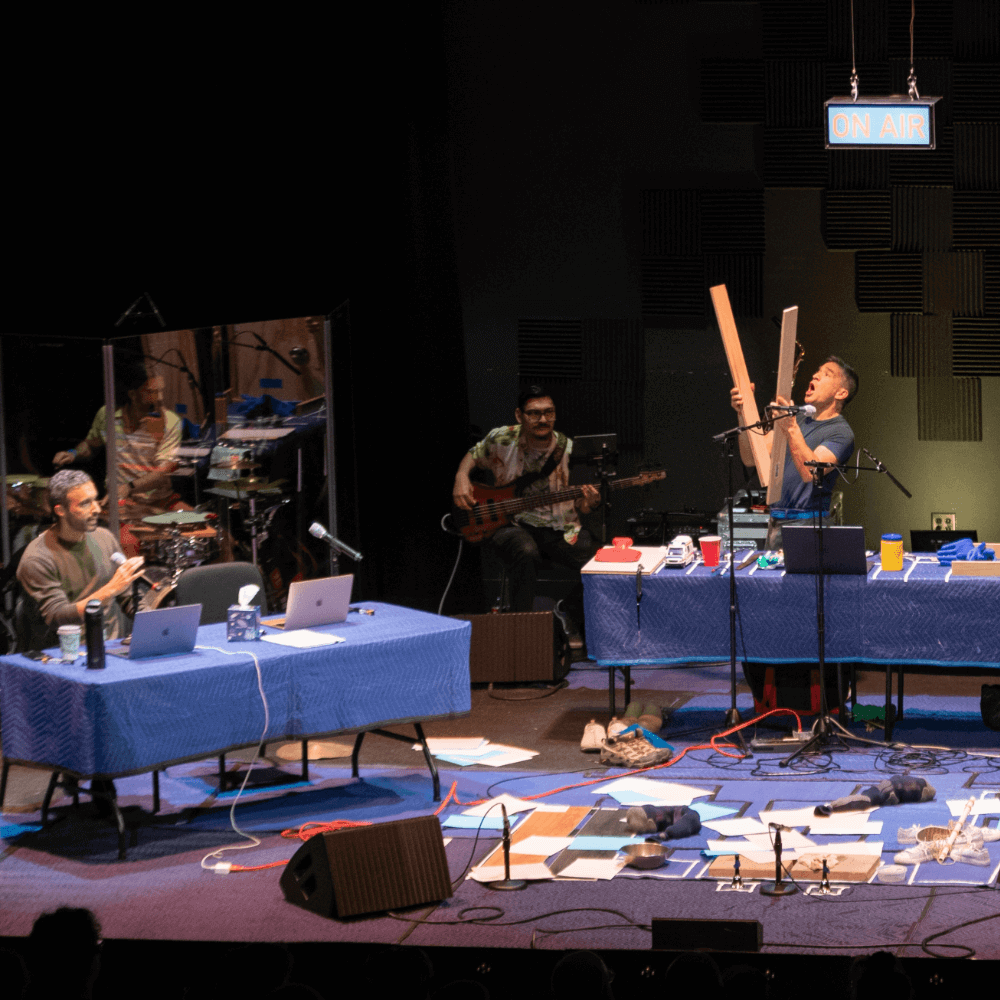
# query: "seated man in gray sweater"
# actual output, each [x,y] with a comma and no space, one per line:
[69,564]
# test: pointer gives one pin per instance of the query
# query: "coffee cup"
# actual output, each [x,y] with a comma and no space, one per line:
[69,642]
[892,553]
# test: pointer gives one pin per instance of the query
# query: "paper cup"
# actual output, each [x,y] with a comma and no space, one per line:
[892,553]
[69,642]
[710,547]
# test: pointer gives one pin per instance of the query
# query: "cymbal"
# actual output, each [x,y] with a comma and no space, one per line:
[251,483]
[177,517]
[236,465]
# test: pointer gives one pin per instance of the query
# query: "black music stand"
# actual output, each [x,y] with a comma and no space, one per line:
[600,450]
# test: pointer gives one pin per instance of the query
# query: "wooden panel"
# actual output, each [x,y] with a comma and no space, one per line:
[786,361]
[741,379]
[540,824]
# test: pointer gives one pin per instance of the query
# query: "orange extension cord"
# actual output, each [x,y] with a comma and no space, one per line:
[312,829]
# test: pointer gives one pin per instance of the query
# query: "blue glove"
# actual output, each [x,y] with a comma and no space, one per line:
[981,552]
[955,550]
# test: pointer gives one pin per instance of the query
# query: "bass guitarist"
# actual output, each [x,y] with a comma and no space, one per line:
[534,457]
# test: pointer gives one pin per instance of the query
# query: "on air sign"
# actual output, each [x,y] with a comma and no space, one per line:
[880,122]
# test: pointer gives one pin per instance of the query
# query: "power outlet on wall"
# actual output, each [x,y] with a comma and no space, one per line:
[943,522]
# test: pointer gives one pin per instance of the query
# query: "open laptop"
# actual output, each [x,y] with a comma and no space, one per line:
[162,632]
[315,602]
[843,549]
[931,540]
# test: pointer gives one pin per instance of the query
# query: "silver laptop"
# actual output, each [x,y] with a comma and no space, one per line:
[162,632]
[316,602]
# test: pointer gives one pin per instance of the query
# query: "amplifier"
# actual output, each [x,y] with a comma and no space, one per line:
[512,646]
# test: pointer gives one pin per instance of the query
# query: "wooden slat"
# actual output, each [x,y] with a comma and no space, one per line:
[741,379]
[540,824]
[786,362]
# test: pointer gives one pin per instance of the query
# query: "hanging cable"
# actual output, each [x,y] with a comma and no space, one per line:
[911,80]
[854,76]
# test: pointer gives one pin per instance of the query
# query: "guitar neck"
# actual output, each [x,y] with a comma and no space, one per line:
[519,504]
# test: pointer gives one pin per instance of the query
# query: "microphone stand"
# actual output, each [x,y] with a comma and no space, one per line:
[824,738]
[262,345]
[507,882]
[728,440]
[777,887]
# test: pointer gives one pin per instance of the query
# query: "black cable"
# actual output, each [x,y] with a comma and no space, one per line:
[546,693]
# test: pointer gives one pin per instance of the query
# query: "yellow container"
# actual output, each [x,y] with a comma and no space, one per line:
[892,553]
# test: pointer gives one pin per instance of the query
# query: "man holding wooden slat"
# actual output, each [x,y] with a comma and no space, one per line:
[822,437]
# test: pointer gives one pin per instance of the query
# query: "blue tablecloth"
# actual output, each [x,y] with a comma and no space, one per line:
[920,615]
[397,665]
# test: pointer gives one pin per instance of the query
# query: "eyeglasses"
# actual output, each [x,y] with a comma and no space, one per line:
[539,414]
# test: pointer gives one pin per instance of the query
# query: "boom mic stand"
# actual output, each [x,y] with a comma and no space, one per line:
[824,737]
[728,440]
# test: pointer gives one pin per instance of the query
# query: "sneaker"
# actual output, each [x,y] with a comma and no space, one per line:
[651,718]
[616,726]
[593,737]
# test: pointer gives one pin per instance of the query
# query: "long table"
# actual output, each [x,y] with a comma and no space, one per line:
[921,615]
[396,666]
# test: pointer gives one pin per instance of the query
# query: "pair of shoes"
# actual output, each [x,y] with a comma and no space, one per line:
[616,726]
[650,717]
[593,737]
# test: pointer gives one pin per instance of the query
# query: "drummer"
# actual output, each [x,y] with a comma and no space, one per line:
[147,438]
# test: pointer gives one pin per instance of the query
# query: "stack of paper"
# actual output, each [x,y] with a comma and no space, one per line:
[643,791]
[464,751]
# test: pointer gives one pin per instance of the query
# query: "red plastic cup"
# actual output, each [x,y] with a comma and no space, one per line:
[710,548]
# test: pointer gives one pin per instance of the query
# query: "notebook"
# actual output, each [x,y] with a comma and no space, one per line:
[162,632]
[843,549]
[315,602]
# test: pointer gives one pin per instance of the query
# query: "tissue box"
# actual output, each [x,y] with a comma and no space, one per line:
[242,624]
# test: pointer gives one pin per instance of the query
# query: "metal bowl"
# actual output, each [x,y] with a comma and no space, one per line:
[645,855]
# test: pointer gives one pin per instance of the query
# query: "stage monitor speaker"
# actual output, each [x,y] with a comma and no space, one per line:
[707,935]
[512,646]
[368,869]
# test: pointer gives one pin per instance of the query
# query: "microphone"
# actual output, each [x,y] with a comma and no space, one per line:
[118,559]
[318,531]
[807,409]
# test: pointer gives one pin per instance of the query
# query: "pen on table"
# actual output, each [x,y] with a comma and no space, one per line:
[363,611]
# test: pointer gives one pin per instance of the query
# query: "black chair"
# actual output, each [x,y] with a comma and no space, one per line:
[216,587]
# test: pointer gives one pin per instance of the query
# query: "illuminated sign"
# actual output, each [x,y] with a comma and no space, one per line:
[880,123]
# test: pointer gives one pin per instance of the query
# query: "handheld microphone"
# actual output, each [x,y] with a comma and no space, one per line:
[118,559]
[318,531]
[807,409]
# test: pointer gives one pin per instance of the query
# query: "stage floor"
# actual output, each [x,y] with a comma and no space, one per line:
[162,893]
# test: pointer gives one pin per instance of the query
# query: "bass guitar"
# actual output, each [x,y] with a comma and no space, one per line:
[497,506]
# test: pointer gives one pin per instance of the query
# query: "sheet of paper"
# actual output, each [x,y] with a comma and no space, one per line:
[983,807]
[462,822]
[666,793]
[789,838]
[745,850]
[602,843]
[867,847]
[741,827]
[593,868]
[542,847]
[456,744]
[805,816]
[709,810]
[492,808]
[302,638]
[497,756]
[495,873]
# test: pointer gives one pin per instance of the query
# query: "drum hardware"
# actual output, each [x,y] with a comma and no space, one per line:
[236,464]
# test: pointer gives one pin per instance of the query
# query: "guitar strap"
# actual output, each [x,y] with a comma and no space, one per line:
[527,478]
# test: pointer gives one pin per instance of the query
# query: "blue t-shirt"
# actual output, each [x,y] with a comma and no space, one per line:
[834,434]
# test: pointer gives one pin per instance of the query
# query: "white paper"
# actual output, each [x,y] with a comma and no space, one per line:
[492,808]
[666,793]
[746,850]
[806,816]
[542,847]
[983,807]
[498,756]
[461,744]
[867,847]
[789,838]
[302,638]
[593,868]
[495,873]
[740,827]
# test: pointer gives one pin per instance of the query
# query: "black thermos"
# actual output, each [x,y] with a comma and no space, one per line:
[93,628]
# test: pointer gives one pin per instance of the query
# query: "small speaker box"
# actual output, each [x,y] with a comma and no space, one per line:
[707,935]
[513,646]
[369,869]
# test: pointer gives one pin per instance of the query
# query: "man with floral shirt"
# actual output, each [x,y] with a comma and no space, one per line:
[533,445]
